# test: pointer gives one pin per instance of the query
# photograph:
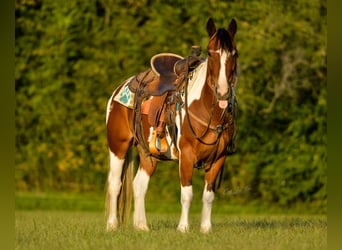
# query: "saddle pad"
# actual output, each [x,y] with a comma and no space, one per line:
[125,96]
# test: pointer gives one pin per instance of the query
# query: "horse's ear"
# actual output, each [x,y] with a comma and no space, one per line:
[211,28]
[232,28]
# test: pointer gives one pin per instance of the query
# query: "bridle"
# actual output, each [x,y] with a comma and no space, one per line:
[228,117]
[230,96]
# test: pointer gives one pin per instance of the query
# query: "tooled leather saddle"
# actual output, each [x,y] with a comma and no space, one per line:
[156,95]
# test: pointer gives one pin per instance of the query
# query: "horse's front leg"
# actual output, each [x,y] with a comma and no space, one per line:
[140,185]
[209,194]
[186,167]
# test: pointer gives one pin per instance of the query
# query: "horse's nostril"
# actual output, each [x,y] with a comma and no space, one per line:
[220,96]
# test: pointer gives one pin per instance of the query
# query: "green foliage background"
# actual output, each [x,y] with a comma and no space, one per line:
[70,55]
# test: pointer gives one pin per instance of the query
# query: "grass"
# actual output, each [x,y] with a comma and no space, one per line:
[76,221]
[157,203]
[86,230]
[59,201]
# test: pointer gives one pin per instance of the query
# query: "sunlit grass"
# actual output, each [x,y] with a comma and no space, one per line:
[86,230]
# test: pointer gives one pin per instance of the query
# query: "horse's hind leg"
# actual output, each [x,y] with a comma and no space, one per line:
[113,190]
[140,185]
[119,140]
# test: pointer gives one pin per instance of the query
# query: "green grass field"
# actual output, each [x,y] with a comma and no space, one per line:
[86,230]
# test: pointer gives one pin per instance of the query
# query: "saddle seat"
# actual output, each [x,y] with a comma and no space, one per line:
[167,72]
[163,65]
[161,77]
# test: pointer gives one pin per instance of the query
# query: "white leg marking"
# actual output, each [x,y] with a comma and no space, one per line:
[114,185]
[140,186]
[207,199]
[186,198]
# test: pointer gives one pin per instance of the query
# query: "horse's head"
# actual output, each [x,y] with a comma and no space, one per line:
[222,61]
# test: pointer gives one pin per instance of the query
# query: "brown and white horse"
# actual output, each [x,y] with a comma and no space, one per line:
[205,127]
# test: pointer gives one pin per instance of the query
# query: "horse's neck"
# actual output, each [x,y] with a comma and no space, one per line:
[197,82]
[199,89]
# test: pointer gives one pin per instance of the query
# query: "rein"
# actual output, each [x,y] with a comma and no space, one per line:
[230,110]
[207,125]
[218,128]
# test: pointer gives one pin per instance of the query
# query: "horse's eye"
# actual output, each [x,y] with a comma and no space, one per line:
[209,53]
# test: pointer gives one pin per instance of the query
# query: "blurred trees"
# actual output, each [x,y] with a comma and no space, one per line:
[70,55]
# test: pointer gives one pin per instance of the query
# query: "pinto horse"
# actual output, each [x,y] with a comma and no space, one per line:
[205,127]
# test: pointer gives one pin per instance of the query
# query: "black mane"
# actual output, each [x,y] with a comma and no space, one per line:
[224,38]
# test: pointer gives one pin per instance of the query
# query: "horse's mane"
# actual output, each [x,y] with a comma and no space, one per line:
[224,38]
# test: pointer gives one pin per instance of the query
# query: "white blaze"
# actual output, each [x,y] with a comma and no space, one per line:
[222,87]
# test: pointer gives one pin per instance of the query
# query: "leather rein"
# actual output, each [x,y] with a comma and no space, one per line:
[218,128]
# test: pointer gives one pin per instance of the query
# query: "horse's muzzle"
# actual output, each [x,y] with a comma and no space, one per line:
[222,99]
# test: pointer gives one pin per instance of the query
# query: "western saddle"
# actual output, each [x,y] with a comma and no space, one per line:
[156,94]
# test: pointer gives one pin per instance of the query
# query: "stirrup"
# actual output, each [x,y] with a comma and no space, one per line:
[158,145]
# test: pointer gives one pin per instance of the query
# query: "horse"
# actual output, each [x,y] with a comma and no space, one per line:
[205,128]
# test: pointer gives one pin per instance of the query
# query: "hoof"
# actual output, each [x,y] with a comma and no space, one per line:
[183,228]
[141,227]
[112,226]
[205,229]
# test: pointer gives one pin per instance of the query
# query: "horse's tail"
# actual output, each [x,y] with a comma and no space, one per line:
[124,199]
[126,193]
